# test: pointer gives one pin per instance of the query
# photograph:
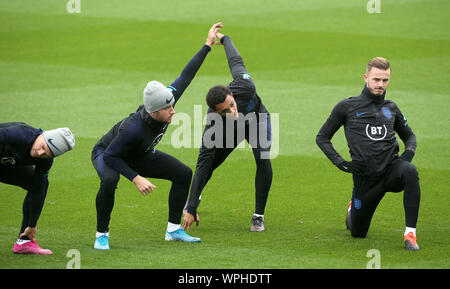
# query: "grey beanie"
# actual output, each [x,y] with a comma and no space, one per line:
[59,140]
[157,96]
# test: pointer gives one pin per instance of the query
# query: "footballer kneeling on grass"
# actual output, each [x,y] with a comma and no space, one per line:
[370,123]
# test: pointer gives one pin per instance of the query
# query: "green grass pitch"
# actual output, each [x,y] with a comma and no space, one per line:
[87,70]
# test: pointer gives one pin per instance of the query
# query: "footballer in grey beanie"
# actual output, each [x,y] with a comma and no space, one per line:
[59,140]
[157,96]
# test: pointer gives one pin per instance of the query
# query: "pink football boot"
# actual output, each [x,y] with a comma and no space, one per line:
[30,248]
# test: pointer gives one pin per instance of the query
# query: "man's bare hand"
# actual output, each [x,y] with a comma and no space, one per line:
[188,220]
[143,185]
[219,36]
[211,39]
[30,233]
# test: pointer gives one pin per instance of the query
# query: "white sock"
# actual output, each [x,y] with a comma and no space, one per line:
[256,215]
[21,241]
[171,227]
[98,234]
[408,230]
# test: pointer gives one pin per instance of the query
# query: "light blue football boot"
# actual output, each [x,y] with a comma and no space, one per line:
[180,235]
[102,242]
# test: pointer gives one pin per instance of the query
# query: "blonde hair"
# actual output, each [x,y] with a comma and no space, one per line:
[378,62]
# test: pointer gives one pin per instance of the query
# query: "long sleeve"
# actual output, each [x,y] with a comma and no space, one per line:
[404,131]
[38,190]
[182,82]
[327,131]
[202,174]
[122,145]
[242,83]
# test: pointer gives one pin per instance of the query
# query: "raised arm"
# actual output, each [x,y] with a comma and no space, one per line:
[187,75]
[235,61]
[242,83]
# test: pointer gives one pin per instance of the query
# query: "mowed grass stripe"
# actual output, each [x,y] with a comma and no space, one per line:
[126,45]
